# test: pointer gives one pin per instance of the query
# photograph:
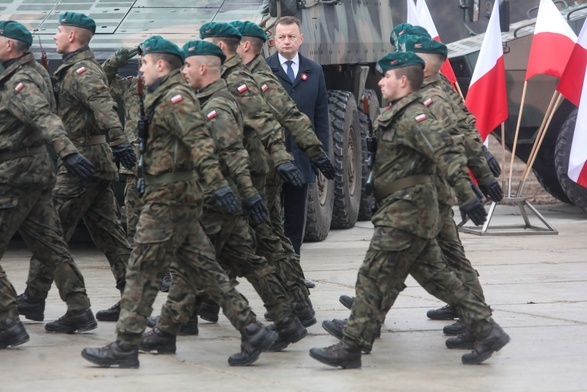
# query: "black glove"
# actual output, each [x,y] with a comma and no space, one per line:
[290,174]
[226,199]
[492,190]
[373,206]
[325,166]
[141,187]
[79,166]
[123,55]
[475,211]
[124,153]
[476,191]
[493,164]
[255,210]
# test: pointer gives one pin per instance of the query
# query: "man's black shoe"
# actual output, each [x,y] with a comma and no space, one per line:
[115,353]
[255,338]
[209,311]
[12,333]
[305,312]
[30,308]
[454,329]
[346,301]
[189,328]
[340,354]
[110,314]
[289,330]
[335,327]
[464,341]
[73,321]
[157,340]
[166,282]
[309,284]
[445,313]
[486,344]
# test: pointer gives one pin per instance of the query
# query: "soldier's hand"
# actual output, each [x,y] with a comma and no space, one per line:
[255,209]
[290,174]
[226,199]
[325,166]
[79,166]
[123,55]
[141,187]
[373,206]
[493,164]
[492,190]
[475,211]
[124,154]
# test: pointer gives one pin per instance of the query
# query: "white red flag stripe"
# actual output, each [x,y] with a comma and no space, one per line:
[413,18]
[571,82]
[578,157]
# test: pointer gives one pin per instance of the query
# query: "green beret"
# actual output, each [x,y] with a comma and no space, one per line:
[397,60]
[14,30]
[218,29]
[158,44]
[250,29]
[418,44]
[203,48]
[77,20]
[406,28]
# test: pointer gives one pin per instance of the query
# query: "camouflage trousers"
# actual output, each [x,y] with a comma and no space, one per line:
[391,257]
[93,202]
[171,236]
[132,206]
[31,212]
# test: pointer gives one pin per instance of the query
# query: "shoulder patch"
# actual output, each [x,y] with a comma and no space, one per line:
[242,88]
[264,87]
[420,117]
[428,101]
[80,70]
[19,87]
[212,115]
[177,98]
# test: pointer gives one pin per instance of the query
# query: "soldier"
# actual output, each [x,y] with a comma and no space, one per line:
[228,232]
[88,114]
[412,146]
[178,146]
[27,120]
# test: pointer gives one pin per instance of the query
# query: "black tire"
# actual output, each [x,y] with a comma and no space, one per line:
[365,205]
[288,7]
[545,172]
[576,193]
[346,142]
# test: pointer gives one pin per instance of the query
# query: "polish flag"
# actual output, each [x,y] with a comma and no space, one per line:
[487,96]
[552,43]
[570,84]
[413,17]
[578,157]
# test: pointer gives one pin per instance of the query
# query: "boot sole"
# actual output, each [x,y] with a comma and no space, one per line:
[70,330]
[460,346]
[282,345]
[17,341]
[207,317]
[454,332]
[263,347]
[345,365]
[447,317]
[32,316]
[486,355]
[123,364]
[160,350]
[108,318]
[309,322]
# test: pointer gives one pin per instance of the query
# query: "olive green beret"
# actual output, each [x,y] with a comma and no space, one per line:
[397,60]
[406,28]
[14,30]
[158,44]
[418,44]
[203,48]
[77,20]
[219,29]
[250,29]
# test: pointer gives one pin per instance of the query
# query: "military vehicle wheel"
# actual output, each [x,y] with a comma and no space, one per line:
[365,205]
[288,7]
[346,143]
[545,172]
[575,192]
[319,211]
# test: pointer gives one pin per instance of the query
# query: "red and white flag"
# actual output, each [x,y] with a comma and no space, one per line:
[578,157]
[571,82]
[413,17]
[487,95]
[552,43]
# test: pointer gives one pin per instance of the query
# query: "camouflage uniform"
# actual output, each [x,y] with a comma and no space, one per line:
[411,143]
[88,113]
[168,233]
[27,120]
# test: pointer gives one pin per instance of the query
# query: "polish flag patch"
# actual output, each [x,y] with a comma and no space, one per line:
[80,71]
[264,87]
[19,87]
[212,115]
[177,98]
[420,117]
[428,102]
[242,88]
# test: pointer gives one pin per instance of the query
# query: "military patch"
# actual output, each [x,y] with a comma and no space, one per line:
[19,87]
[212,115]
[242,88]
[264,87]
[420,117]
[428,102]
[177,98]
[80,71]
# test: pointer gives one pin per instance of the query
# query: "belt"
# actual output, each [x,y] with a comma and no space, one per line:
[90,140]
[383,191]
[167,178]
[28,151]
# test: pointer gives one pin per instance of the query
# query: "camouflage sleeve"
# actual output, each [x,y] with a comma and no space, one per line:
[110,68]
[31,107]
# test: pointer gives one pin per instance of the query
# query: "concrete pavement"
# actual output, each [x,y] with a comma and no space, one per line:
[536,285]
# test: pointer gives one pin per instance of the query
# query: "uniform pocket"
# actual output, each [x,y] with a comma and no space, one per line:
[155,224]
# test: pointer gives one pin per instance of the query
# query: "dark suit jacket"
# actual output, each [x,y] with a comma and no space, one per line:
[309,93]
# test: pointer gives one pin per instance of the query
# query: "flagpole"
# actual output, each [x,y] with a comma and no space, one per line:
[517,133]
[458,88]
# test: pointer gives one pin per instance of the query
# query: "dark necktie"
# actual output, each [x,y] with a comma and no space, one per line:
[290,72]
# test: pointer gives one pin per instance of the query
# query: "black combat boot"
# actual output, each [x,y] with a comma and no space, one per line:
[121,354]
[309,284]
[464,341]
[158,340]
[445,313]
[454,329]
[486,344]
[255,338]
[73,321]
[305,312]
[166,282]
[12,333]
[32,309]
[209,311]
[289,330]
[347,301]
[189,328]
[110,314]
[340,354]
[335,327]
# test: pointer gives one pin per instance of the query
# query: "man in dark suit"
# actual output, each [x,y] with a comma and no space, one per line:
[303,80]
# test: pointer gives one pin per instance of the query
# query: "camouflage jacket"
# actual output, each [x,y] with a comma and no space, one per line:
[411,142]
[87,109]
[260,125]
[284,109]
[28,119]
[226,124]
[178,142]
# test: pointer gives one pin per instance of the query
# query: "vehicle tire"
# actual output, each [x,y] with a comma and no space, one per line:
[576,193]
[288,7]
[365,204]
[346,145]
